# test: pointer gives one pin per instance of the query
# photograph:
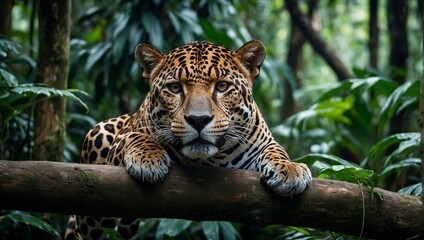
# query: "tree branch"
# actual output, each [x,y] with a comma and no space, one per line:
[204,194]
[316,41]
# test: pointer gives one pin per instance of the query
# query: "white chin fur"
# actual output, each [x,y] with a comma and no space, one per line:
[201,151]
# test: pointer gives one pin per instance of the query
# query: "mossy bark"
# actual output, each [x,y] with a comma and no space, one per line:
[52,70]
[206,194]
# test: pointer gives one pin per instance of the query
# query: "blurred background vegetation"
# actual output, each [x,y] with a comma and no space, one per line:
[361,126]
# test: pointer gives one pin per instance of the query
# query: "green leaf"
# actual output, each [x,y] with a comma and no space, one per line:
[409,103]
[96,34]
[31,221]
[401,94]
[7,45]
[118,46]
[366,72]
[32,91]
[349,174]
[136,34]
[406,163]
[10,79]
[228,231]
[415,189]
[311,158]
[146,226]
[334,90]
[120,22]
[379,150]
[174,21]
[95,53]
[213,34]
[379,85]
[189,16]
[210,229]
[171,227]
[405,147]
[336,168]
[154,29]
[332,110]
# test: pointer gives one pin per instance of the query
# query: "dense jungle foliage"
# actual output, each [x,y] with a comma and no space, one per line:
[363,129]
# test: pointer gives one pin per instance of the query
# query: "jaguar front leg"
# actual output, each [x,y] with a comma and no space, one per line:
[284,177]
[143,157]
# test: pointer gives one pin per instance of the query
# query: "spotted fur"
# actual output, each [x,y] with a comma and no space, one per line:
[199,111]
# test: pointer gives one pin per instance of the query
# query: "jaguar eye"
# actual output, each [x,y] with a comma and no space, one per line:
[175,87]
[222,86]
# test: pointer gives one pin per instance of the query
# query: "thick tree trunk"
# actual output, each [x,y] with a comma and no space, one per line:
[5,15]
[373,34]
[206,194]
[397,13]
[53,64]
[316,41]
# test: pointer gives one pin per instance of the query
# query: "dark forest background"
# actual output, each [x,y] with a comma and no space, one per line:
[340,87]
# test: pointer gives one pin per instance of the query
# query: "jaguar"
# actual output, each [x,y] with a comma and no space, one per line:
[199,111]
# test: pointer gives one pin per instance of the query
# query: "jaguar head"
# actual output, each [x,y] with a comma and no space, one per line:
[201,94]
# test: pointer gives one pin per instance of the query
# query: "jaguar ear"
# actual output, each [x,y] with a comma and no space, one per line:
[147,58]
[251,55]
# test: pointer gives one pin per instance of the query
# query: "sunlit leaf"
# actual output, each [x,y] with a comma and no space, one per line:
[96,33]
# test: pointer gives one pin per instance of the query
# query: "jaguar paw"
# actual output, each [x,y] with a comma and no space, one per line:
[148,170]
[287,179]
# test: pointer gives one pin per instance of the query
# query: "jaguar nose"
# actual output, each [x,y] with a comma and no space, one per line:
[198,122]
